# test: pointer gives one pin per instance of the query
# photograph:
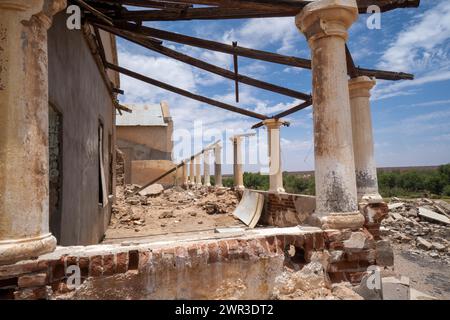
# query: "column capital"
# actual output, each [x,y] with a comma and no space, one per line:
[44,10]
[360,86]
[273,123]
[325,18]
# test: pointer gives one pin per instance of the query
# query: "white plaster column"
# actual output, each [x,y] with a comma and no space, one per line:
[206,168]
[363,147]
[273,140]
[325,23]
[218,165]
[24,180]
[198,170]
[237,165]
[191,172]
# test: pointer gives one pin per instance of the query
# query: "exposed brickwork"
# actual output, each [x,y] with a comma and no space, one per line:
[351,253]
[120,168]
[285,209]
[40,278]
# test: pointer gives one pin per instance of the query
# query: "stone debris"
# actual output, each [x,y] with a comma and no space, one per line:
[428,214]
[172,206]
[419,225]
[395,289]
[312,283]
[152,191]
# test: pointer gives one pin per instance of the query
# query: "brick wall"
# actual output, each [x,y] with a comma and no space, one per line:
[197,268]
[286,210]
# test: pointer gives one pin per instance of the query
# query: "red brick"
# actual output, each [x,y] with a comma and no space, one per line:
[108,265]
[32,280]
[144,258]
[264,245]
[319,243]
[308,244]
[244,248]
[31,294]
[192,250]
[71,261]
[271,244]
[58,270]
[233,245]
[181,257]
[121,262]
[96,266]
[213,252]
[83,263]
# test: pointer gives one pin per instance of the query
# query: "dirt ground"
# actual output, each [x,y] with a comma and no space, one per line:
[173,211]
[426,274]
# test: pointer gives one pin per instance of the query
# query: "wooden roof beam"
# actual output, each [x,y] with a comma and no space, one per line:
[210,13]
[206,66]
[385,5]
[250,53]
[184,93]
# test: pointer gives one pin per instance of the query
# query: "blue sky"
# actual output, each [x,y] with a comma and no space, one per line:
[411,119]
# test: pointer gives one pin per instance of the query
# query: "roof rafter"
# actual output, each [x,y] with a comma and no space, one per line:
[250,53]
[206,66]
[185,93]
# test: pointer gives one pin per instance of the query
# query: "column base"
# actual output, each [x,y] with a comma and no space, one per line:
[12,251]
[343,220]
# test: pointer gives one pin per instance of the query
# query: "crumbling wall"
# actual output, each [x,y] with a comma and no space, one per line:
[286,209]
[120,168]
[242,267]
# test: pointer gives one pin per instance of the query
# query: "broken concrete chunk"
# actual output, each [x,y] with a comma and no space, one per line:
[152,190]
[358,240]
[423,244]
[396,216]
[418,295]
[368,288]
[428,214]
[438,246]
[392,206]
[250,208]
[395,289]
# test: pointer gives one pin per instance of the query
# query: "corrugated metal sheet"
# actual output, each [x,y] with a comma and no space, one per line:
[142,115]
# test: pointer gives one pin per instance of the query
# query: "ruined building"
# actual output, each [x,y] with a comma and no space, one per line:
[58,99]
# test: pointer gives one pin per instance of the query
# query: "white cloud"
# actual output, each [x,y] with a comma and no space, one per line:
[259,33]
[398,88]
[422,44]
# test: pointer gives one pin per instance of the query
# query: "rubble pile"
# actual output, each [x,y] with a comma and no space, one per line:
[422,225]
[155,208]
[311,282]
